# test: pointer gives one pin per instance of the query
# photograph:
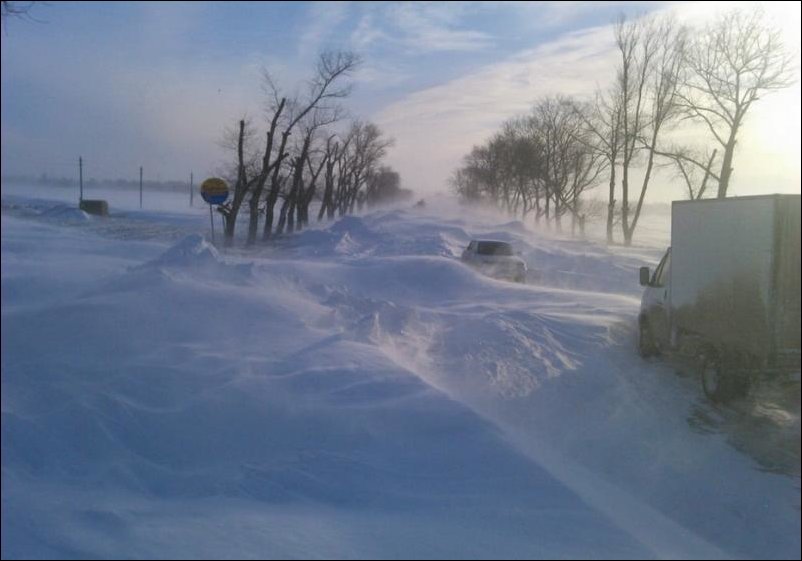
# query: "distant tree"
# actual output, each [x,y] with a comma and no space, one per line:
[384,186]
[570,167]
[367,145]
[734,62]
[540,164]
[335,170]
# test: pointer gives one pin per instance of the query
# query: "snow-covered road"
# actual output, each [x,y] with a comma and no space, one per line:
[355,391]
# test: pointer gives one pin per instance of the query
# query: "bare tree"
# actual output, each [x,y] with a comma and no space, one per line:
[570,166]
[367,146]
[731,64]
[323,93]
[295,199]
[647,82]
[240,140]
[636,49]
[662,98]
[541,163]
[259,165]
[333,157]
[384,186]
[270,162]
[9,9]
[689,166]
[603,121]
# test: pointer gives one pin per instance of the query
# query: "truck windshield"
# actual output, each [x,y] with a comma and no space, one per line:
[494,248]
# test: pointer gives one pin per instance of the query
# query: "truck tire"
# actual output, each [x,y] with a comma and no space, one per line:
[720,383]
[646,346]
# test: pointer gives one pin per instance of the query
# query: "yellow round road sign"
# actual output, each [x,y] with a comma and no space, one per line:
[214,191]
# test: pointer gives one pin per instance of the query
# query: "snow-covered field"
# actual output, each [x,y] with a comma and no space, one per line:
[355,391]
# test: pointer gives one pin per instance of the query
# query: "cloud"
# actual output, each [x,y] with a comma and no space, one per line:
[419,27]
[435,127]
[323,19]
[431,28]
[367,32]
[154,97]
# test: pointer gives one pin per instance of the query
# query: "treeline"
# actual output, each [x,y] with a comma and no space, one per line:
[667,77]
[307,153]
[72,182]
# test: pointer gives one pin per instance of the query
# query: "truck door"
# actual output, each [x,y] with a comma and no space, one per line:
[657,302]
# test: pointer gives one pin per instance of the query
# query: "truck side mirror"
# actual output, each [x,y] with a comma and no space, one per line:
[644,276]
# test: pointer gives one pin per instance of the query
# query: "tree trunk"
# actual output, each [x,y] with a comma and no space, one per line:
[268,220]
[275,187]
[726,166]
[253,223]
[625,206]
[282,217]
[239,190]
[611,205]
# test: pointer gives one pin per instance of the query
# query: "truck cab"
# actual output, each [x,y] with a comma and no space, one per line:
[653,323]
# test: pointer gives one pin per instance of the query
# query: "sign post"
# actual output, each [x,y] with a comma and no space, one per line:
[215,192]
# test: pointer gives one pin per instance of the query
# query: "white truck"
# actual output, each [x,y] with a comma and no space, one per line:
[726,294]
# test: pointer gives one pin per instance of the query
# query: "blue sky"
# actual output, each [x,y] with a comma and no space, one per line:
[155,84]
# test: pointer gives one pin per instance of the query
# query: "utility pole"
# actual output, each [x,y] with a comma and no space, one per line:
[190,189]
[81,179]
[140,187]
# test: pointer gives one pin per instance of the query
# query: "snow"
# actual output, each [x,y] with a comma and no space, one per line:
[355,391]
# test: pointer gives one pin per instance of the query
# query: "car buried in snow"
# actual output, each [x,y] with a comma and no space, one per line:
[496,259]
[726,294]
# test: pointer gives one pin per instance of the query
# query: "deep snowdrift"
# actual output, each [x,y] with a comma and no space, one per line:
[353,391]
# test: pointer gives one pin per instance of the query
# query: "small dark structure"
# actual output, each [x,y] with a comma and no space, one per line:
[95,206]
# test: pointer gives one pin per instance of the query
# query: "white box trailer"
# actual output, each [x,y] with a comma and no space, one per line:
[728,289]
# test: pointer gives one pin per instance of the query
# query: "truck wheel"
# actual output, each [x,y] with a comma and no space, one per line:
[646,346]
[721,384]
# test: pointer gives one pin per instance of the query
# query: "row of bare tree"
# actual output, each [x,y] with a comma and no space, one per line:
[538,164]
[302,157]
[669,78]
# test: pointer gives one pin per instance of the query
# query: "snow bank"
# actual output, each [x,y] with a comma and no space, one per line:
[353,391]
[66,213]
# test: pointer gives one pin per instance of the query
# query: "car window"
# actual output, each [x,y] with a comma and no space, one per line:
[661,272]
[494,248]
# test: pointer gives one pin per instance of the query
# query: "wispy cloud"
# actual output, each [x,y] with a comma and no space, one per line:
[322,20]
[437,77]
[436,27]
[435,127]
[367,32]
[419,27]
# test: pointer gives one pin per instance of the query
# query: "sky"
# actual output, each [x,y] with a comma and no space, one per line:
[156,84]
